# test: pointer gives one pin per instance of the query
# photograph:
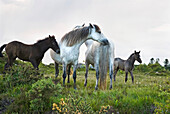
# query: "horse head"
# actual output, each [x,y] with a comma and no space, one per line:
[137,56]
[97,35]
[54,44]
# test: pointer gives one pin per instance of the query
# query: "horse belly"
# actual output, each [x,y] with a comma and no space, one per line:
[69,58]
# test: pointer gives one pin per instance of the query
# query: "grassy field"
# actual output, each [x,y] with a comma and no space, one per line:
[25,90]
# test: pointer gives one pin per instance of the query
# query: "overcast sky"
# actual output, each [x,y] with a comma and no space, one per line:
[131,24]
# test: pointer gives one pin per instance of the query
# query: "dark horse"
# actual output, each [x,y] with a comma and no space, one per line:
[126,65]
[32,53]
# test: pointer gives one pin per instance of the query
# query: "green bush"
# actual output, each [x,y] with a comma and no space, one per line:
[142,68]
[39,94]
[19,75]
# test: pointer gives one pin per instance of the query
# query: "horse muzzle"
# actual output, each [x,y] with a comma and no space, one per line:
[140,61]
[105,42]
[58,51]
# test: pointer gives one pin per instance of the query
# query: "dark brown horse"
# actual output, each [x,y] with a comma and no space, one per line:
[126,65]
[31,53]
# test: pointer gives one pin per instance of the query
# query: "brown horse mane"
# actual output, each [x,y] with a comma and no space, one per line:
[75,36]
[41,40]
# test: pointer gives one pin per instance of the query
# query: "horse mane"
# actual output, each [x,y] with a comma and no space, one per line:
[75,36]
[41,40]
[130,56]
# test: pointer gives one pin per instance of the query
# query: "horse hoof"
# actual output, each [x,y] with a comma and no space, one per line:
[85,85]
[75,88]
[110,87]
[68,81]
[96,88]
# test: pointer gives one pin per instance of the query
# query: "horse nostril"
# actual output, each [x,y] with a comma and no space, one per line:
[105,42]
[58,51]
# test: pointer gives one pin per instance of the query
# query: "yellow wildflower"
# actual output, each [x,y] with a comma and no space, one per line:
[62,99]
[54,104]
[53,108]
[58,108]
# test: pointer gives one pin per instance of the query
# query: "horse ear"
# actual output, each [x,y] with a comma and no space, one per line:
[91,26]
[83,25]
[139,52]
[135,51]
[49,36]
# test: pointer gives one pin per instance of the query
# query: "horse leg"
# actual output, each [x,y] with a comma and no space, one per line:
[126,78]
[34,63]
[111,75]
[56,69]
[115,74]
[11,59]
[74,75]
[86,75]
[131,73]
[6,66]
[69,67]
[64,73]
[38,62]
[97,77]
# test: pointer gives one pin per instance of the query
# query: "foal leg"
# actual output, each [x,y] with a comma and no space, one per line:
[74,75]
[115,74]
[126,78]
[64,73]
[86,75]
[34,63]
[11,59]
[56,69]
[69,67]
[131,73]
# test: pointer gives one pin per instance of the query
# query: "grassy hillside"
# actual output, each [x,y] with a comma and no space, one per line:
[25,90]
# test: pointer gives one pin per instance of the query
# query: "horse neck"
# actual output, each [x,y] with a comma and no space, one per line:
[88,43]
[131,59]
[44,45]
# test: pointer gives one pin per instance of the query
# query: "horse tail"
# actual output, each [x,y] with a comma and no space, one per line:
[103,66]
[1,49]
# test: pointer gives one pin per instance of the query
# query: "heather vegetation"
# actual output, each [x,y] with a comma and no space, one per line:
[25,90]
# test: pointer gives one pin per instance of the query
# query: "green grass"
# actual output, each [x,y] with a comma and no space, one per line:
[141,96]
[148,94]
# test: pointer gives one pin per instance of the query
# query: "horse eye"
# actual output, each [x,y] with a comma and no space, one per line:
[53,43]
[99,32]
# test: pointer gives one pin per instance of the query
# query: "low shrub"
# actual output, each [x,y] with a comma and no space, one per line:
[40,93]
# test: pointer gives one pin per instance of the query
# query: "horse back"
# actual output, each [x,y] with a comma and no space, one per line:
[119,63]
[20,50]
